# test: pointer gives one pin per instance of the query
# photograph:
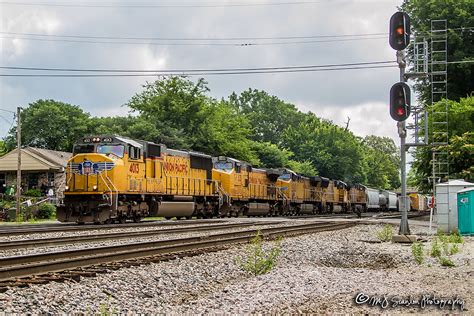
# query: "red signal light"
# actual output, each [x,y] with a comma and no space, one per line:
[400,30]
[401,111]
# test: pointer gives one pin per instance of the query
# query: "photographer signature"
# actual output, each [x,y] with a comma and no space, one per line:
[423,302]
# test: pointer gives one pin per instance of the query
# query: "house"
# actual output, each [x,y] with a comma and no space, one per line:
[40,169]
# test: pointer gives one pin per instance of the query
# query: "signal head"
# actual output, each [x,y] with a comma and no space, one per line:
[400,101]
[399,36]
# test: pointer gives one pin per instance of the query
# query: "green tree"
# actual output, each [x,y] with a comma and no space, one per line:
[268,115]
[270,155]
[179,112]
[382,159]
[3,148]
[460,41]
[461,125]
[333,151]
[50,124]
[305,168]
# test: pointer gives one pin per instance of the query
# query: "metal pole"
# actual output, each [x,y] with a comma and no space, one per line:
[404,230]
[18,170]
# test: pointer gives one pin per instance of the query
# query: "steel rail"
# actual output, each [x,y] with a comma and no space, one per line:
[22,266]
[71,227]
[41,242]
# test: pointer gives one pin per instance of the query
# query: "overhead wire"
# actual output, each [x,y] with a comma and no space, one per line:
[155,5]
[197,70]
[197,73]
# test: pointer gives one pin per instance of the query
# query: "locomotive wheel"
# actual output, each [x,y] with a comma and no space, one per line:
[189,217]
[137,219]
[167,218]
[122,219]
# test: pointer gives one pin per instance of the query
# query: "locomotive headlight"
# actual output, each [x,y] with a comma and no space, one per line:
[94,188]
[66,188]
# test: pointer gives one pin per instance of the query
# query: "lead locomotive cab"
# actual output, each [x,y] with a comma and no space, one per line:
[97,189]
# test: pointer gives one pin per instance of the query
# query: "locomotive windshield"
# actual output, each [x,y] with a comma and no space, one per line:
[116,150]
[83,149]
[285,176]
[222,165]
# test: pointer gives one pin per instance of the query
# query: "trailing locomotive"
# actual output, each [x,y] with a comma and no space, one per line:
[112,178]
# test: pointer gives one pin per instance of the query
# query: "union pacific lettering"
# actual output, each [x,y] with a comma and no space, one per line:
[176,167]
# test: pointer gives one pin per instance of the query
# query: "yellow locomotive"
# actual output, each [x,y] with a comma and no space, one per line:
[113,178]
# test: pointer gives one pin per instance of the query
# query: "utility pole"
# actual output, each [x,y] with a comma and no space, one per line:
[18,170]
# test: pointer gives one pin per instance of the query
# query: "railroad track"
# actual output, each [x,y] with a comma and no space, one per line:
[41,268]
[27,229]
[45,242]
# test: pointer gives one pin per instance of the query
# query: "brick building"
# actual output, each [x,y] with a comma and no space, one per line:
[40,169]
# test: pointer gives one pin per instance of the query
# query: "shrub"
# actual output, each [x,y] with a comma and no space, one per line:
[435,248]
[259,260]
[417,251]
[386,233]
[33,193]
[47,210]
[446,262]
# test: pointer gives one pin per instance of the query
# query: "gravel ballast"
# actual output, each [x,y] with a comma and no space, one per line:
[317,273]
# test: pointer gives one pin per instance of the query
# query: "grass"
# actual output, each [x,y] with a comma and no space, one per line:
[417,251]
[386,233]
[454,249]
[446,262]
[258,260]
[435,248]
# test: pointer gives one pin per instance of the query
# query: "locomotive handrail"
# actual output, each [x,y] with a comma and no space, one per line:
[108,188]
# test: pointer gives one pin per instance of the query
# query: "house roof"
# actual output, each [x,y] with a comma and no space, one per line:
[35,159]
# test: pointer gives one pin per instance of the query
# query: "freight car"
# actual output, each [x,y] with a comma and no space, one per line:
[113,178]
[418,202]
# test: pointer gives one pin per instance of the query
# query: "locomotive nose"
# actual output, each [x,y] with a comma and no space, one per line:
[90,173]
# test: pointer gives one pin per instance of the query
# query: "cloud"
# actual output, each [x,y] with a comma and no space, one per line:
[359,94]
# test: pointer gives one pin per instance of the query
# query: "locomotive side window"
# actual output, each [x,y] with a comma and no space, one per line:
[116,150]
[83,149]
[133,152]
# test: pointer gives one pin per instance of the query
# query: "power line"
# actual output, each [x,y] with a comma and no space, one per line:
[8,111]
[154,5]
[192,44]
[195,73]
[240,38]
[197,70]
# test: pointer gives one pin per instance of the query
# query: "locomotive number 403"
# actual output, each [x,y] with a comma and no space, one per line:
[134,168]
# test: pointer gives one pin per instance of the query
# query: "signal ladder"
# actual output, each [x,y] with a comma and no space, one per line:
[440,114]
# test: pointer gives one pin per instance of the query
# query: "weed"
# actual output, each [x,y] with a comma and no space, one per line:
[445,247]
[386,233]
[259,260]
[454,249]
[435,248]
[446,262]
[417,251]
[456,238]
[442,237]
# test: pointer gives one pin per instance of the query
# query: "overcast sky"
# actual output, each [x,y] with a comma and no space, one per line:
[361,95]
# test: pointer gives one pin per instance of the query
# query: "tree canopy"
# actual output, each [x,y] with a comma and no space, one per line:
[460,20]
[252,126]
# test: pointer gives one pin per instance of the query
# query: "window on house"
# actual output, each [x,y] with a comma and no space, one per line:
[33,180]
[3,182]
[51,179]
